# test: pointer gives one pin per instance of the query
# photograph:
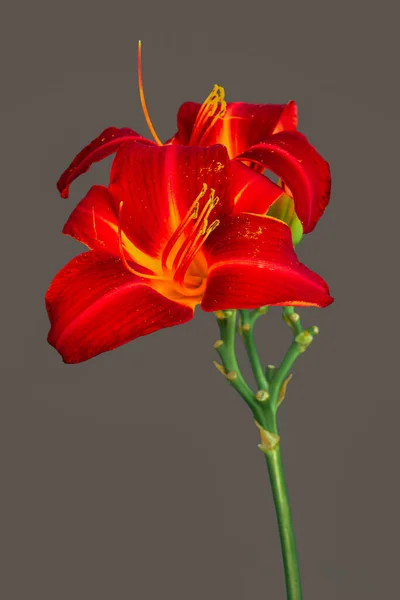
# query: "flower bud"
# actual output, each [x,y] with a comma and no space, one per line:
[283,209]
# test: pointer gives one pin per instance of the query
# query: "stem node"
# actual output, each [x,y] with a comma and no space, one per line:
[269,440]
[262,395]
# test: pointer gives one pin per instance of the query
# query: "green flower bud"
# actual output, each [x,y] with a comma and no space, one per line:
[283,209]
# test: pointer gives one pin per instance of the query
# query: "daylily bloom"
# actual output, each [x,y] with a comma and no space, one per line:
[262,136]
[174,229]
[256,136]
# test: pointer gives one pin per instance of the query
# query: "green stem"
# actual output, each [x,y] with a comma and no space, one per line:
[226,351]
[282,373]
[264,405]
[285,524]
[247,331]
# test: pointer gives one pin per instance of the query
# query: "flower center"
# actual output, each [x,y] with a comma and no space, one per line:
[212,109]
[178,260]
[180,251]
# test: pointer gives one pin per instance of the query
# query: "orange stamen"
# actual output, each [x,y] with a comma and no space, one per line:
[215,119]
[212,109]
[208,104]
[179,276]
[142,98]
[191,214]
[195,234]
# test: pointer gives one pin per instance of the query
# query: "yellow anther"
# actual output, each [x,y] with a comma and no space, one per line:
[214,201]
[213,226]
[213,108]
[218,344]
[195,212]
[204,227]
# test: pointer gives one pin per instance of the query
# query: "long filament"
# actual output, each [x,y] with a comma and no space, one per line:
[180,272]
[191,214]
[199,229]
[215,119]
[142,98]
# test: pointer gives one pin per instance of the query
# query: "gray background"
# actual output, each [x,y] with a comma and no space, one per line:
[137,474]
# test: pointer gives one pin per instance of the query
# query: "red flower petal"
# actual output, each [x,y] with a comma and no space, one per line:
[186,118]
[95,305]
[94,221]
[158,185]
[251,192]
[302,169]
[105,144]
[252,263]
[288,120]
[243,124]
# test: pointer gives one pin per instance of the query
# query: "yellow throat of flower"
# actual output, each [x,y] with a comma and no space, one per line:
[181,269]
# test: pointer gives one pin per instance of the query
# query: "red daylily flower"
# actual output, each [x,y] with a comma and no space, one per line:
[169,233]
[263,136]
[260,136]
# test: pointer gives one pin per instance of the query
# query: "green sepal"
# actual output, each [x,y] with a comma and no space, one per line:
[283,209]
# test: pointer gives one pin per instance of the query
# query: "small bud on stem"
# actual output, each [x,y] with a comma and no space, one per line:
[262,395]
[218,344]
